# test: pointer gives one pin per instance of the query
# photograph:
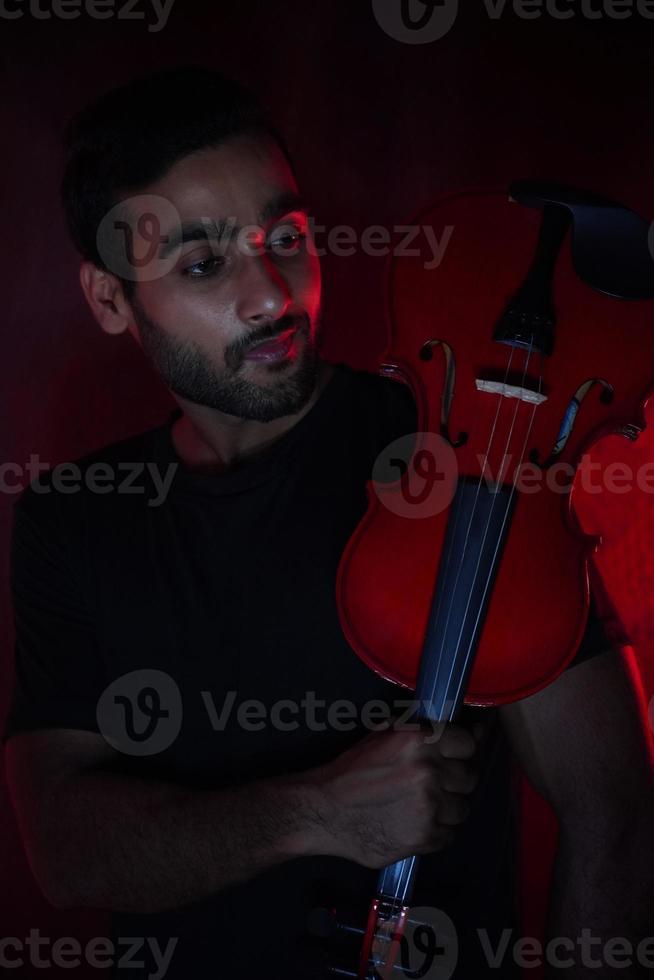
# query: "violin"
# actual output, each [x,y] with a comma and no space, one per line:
[467,581]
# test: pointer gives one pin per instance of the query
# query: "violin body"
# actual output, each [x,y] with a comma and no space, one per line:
[538,598]
[468,578]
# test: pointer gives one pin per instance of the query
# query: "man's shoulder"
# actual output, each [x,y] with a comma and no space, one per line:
[101,472]
[383,400]
[141,446]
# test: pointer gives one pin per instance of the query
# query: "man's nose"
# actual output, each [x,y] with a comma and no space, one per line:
[264,295]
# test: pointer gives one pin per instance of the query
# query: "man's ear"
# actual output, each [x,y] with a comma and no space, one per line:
[104,294]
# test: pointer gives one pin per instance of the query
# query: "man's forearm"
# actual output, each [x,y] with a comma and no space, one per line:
[122,843]
[601,917]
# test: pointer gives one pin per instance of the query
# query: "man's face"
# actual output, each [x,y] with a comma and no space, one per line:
[229,290]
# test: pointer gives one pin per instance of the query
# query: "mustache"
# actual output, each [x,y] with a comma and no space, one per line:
[236,352]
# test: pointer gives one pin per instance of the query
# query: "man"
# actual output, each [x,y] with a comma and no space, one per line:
[210,608]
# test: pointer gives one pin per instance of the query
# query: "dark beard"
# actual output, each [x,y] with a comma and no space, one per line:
[186,370]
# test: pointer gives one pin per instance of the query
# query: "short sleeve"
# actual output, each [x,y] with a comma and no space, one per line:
[57,670]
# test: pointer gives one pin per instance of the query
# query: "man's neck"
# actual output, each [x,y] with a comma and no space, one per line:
[206,440]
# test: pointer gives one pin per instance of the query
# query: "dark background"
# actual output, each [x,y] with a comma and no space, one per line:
[377,129]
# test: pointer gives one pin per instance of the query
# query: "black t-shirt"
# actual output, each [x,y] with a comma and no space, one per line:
[214,593]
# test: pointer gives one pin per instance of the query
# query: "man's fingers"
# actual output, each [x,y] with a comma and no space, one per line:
[458,777]
[453,810]
[457,743]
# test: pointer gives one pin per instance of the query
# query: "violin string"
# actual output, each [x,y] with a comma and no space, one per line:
[485,533]
[412,861]
[403,883]
[398,897]
[403,879]
[457,514]
[489,578]
[467,536]
[469,651]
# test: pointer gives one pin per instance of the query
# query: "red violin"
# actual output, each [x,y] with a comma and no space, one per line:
[467,579]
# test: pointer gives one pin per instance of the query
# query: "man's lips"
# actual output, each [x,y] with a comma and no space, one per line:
[272,350]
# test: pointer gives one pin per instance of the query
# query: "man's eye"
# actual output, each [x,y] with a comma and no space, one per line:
[203,268]
[287,241]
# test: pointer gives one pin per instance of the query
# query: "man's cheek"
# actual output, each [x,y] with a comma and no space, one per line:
[312,289]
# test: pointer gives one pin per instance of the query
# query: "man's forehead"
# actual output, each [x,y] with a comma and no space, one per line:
[280,201]
[242,173]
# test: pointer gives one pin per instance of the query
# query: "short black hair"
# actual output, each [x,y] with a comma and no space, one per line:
[131,136]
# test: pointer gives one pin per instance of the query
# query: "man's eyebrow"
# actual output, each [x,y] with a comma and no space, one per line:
[196,231]
[205,230]
[281,204]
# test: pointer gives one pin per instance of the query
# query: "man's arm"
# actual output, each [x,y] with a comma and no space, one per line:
[99,838]
[105,839]
[584,746]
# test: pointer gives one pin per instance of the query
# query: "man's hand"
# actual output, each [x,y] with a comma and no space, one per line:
[157,846]
[396,793]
